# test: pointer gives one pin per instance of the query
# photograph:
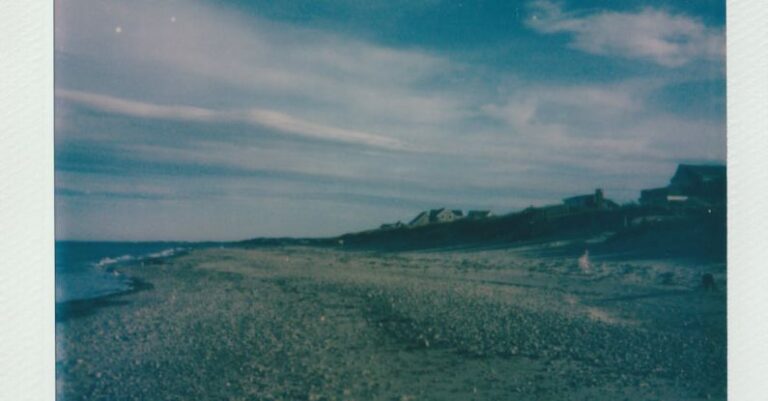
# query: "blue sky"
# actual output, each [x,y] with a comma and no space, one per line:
[222,120]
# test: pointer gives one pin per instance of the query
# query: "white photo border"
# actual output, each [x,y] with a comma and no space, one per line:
[27,368]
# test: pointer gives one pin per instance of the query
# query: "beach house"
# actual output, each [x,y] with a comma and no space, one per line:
[691,186]
[441,215]
[478,214]
[594,201]
[392,226]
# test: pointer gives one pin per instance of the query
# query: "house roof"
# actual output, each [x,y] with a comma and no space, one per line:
[654,192]
[419,216]
[704,172]
[590,200]
[433,213]
[579,198]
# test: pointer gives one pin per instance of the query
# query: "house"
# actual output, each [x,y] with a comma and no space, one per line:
[392,226]
[701,181]
[441,215]
[478,214]
[692,185]
[662,197]
[591,201]
[654,197]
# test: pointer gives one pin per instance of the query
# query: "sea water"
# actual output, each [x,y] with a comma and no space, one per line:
[90,269]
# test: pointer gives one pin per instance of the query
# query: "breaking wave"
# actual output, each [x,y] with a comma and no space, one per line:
[164,253]
[108,261]
[111,261]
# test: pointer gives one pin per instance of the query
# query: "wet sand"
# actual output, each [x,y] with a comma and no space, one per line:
[291,323]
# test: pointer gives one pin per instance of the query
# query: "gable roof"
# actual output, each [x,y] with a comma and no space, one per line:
[702,172]
[435,212]
[419,217]
[431,216]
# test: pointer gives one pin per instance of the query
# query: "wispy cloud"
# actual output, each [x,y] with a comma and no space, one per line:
[658,36]
[216,55]
[280,122]
[237,125]
[565,105]
[597,128]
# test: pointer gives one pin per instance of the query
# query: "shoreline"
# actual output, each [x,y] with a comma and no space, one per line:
[78,308]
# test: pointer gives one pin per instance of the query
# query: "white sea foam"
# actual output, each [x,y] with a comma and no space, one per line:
[110,261]
[104,262]
[164,253]
[86,271]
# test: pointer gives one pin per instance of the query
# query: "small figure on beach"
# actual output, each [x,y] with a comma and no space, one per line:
[584,263]
[708,282]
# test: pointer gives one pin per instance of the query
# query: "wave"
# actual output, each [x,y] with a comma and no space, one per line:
[110,261]
[164,253]
[104,262]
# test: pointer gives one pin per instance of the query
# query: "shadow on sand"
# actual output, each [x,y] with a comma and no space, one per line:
[84,307]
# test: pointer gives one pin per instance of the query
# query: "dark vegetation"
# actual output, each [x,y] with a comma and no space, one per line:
[639,231]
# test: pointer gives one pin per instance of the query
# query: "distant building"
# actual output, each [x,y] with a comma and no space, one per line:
[662,197]
[654,197]
[591,201]
[442,215]
[478,214]
[392,226]
[692,185]
[705,182]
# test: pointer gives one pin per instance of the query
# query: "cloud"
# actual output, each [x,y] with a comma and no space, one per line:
[235,125]
[667,39]
[214,55]
[572,105]
[599,130]
[132,108]
[258,117]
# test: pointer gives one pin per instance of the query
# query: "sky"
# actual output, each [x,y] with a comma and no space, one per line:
[225,120]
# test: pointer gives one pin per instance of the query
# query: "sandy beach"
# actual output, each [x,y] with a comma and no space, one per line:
[301,323]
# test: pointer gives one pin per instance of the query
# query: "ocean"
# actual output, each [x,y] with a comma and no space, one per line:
[87,269]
